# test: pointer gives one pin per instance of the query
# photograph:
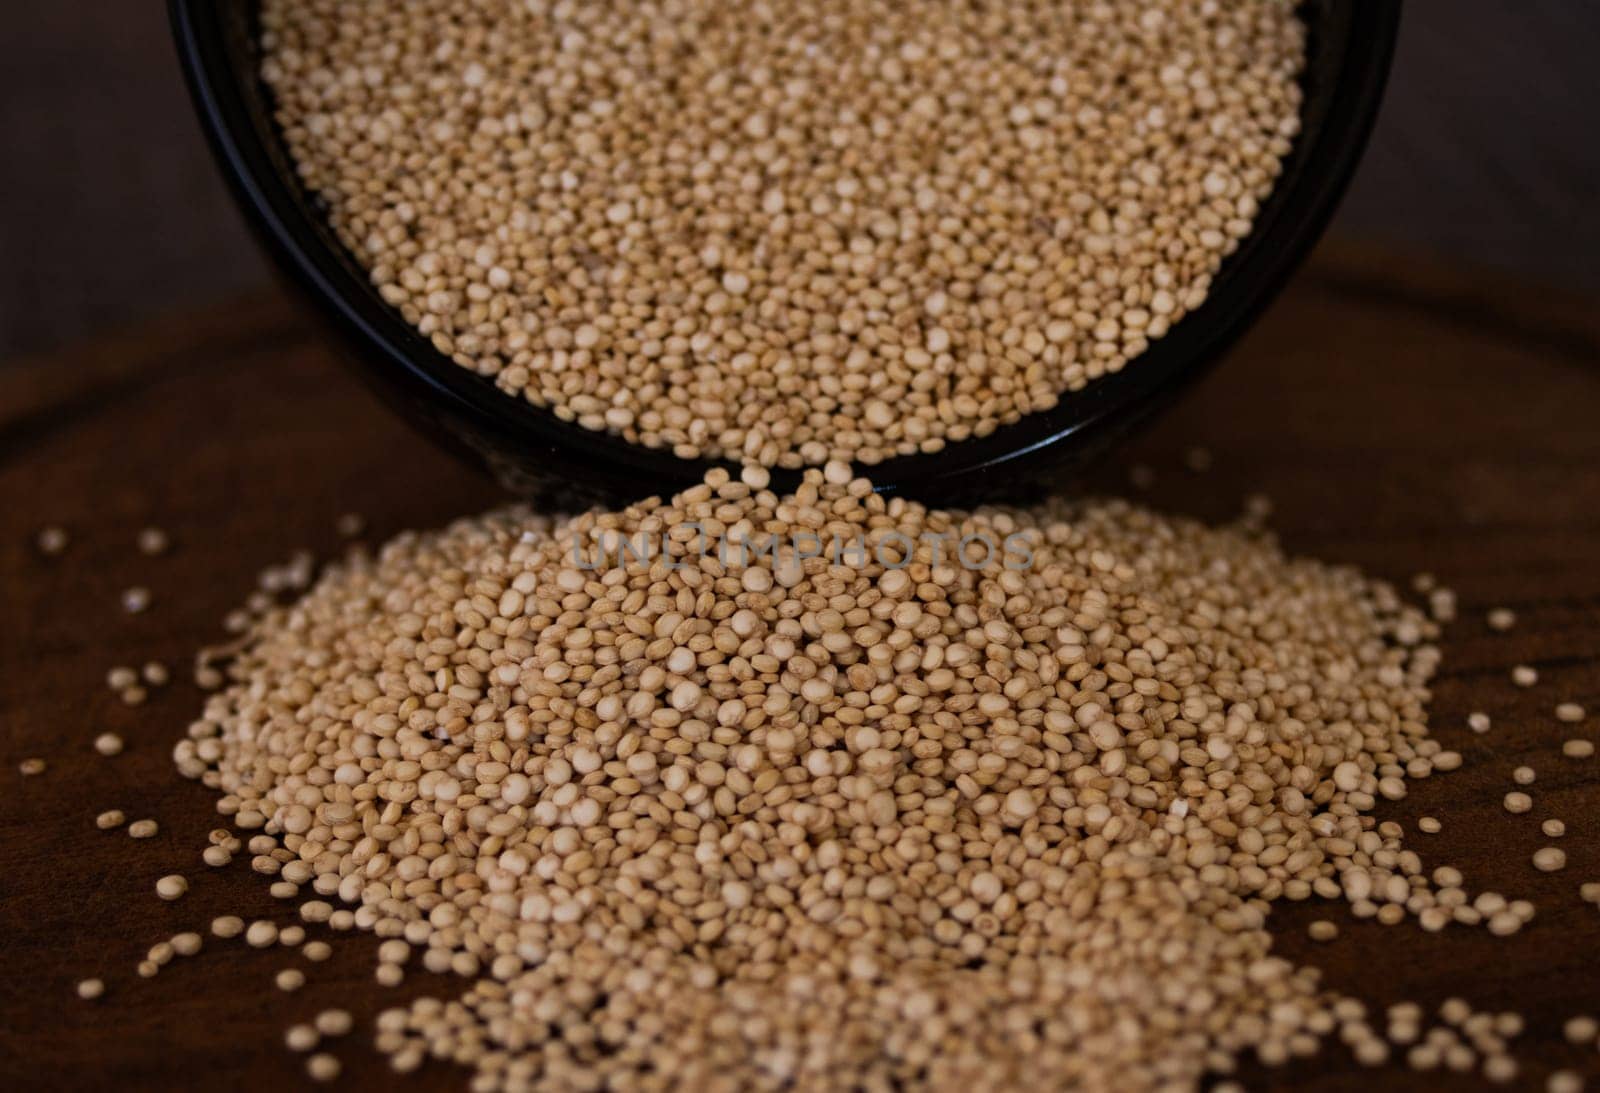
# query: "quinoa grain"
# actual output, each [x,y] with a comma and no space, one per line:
[793,233]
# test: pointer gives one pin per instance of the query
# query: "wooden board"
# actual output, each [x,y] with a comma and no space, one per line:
[1402,419]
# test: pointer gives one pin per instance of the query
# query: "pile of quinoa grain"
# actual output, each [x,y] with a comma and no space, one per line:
[856,820]
[789,232]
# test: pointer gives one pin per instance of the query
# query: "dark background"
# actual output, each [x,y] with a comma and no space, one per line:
[1486,155]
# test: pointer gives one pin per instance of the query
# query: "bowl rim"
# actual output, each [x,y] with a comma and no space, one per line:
[1289,223]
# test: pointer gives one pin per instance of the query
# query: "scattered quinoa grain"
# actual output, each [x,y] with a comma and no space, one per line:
[1518,802]
[1502,618]
[1524,675]
[322,1067]
[1323,930]
[153,541]
[316,951]
[90,989]
[260,934]
[136,600]
[121,678]
[109,819]
[172,886]
[227,926]
[1524,776]
[1553,828]
[143,829]
[301,1038]
[52,540]
[1570,712]
[1478,722]
[334,1022]
[108,744]
[1549,859]
[1578,749]
[29,768]
[290,979]
[1581,1029]
[1428,825]
[1564,1081]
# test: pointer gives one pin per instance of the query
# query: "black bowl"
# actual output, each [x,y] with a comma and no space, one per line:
[538,455]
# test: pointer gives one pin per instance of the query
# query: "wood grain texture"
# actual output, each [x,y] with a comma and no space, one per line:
[1402,420]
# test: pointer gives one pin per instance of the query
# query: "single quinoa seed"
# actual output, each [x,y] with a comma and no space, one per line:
[1524,675]
[1502,618]
[30,768]
[1524,776]
[172,886]
[153,541]
[290,979]
[109,819]
[52,540]
[1578,749]
[90,989]
[1549,859]
[136,600]
[789,233]
[143,829]
[1518,802]
[108,744]
[322,1067]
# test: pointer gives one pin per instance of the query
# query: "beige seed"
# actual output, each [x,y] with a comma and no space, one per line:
[172,886]
[322,1067]
[1517,802]
[108,744]
[290,979]
[1570,712]
[227,926]
[1578,749]
[52,540]
[136,600]
[28,768]
[1581,1030]
[334,1022]
[121,678]
[153,540]
[1549,859]
[1523,776]
[1564,1081]
[90,989]
[1502,618]
[1524,675]
[1429,825]
[1553,828]
[300,1038]
[109,819]
[1478,722]
[187,943]
[1323,930]
[260,934]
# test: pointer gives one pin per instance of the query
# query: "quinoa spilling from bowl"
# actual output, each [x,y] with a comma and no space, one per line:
[785,233]
[833,791]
